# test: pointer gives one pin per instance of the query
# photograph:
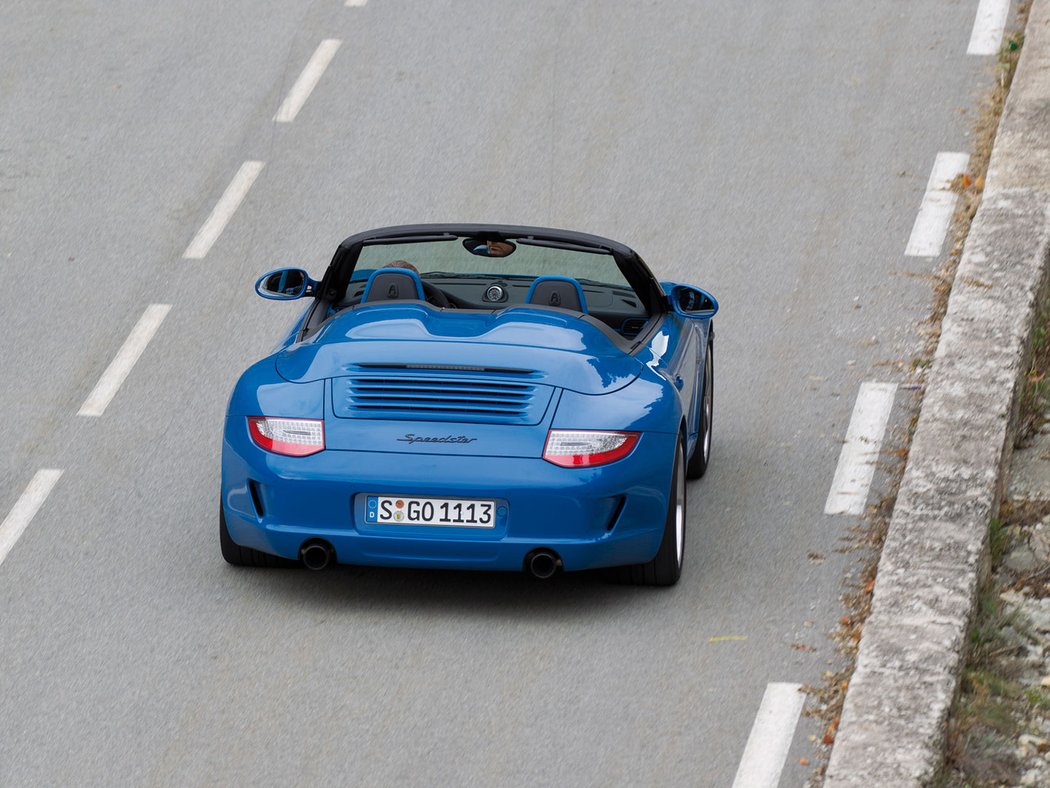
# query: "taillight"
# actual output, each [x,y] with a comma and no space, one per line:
[293,437]
[587,448]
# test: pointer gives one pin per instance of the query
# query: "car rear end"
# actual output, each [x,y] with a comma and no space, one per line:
[446,465]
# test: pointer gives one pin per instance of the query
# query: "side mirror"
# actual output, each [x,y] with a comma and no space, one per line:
[692,302]
[285,284]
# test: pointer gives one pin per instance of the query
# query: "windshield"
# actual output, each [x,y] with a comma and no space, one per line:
[493,273]
[520,260]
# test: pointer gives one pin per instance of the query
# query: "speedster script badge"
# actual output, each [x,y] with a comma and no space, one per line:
[413,438]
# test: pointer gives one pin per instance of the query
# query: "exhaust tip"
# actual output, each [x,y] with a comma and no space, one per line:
[316,555]
[542,564]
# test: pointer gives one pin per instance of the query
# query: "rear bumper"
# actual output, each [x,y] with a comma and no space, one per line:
[607,516]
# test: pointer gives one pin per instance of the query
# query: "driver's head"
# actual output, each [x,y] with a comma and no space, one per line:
[402,264]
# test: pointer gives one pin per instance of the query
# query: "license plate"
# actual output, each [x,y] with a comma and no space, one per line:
[455,512]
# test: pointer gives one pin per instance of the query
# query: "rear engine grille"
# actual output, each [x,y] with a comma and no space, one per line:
[440,398]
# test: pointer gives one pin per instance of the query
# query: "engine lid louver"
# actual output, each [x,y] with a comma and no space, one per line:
[432,393]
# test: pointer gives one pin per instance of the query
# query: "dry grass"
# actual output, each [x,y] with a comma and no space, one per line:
[1035,391]
[995,706]
[990,712]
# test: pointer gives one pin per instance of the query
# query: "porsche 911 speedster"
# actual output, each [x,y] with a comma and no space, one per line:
[473,397]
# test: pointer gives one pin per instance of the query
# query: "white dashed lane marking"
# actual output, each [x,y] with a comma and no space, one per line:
[774,728]
[938,204]
[988,26]
[118,369]
[223,211]
[856,468]
[25,508]
[355,3]
[307,81]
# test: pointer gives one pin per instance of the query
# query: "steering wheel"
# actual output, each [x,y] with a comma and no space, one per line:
[436,296]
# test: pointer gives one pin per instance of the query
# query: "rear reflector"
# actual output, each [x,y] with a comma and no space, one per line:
[587,448]
[292,437]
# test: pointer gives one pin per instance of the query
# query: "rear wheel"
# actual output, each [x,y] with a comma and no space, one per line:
[246,556]
[666,566]
[702,451]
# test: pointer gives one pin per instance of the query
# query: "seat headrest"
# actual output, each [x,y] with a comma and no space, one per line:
[393,284]
[562,291]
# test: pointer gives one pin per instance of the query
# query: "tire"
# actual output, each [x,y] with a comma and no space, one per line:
[702,451]
[666,566]
[246,556]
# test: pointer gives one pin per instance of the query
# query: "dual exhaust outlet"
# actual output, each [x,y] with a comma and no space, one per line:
[317,554]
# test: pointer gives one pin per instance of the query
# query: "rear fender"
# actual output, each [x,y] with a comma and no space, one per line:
[260,391]
[649,404]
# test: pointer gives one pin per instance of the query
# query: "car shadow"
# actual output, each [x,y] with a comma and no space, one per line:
[508,595]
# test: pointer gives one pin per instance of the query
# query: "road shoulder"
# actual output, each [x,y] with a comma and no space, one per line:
[893,722]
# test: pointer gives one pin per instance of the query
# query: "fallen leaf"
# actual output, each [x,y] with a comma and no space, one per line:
[830,731]
[803,761]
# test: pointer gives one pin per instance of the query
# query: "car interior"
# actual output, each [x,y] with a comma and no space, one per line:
[617,307]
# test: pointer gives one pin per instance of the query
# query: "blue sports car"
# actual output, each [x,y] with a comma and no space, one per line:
[473,397]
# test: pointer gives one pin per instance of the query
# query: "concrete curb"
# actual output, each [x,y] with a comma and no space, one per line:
[893,724]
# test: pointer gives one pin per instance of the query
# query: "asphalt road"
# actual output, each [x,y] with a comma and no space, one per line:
[773,152]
